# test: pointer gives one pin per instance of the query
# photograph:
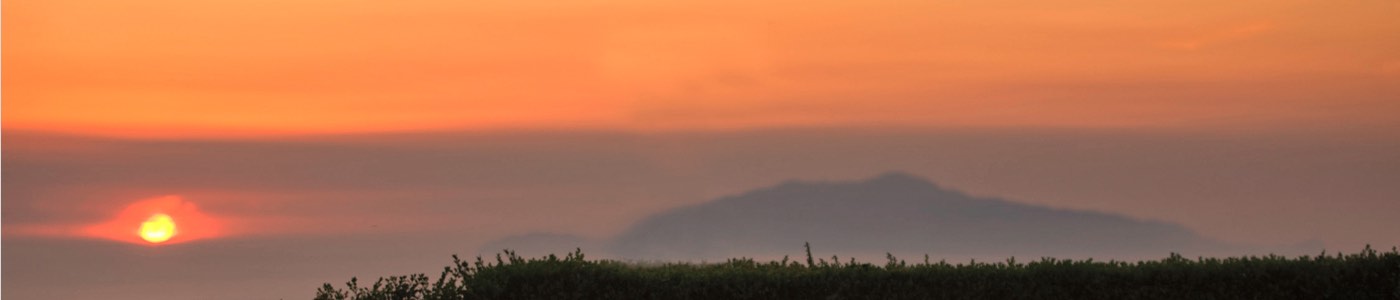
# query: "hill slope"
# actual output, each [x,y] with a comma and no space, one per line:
[898,213]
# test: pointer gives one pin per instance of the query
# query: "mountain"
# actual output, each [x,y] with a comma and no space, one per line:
[895,213]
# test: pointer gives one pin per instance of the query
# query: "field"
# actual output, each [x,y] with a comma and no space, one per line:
[1368,274]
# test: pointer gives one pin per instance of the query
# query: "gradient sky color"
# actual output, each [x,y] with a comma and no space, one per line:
[297,142]
[249,68]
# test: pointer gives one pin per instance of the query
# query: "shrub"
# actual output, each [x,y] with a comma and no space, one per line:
[1364,275]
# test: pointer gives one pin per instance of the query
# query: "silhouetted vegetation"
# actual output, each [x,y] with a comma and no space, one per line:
[1364,275]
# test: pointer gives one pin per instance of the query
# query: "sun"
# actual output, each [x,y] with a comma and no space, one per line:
[152,221]
[158,228]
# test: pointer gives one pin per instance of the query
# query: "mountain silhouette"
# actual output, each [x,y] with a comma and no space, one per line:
[894,213]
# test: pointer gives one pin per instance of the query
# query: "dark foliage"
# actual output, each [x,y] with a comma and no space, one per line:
[1364,275]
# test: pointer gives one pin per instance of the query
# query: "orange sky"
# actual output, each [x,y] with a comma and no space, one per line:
[239,67]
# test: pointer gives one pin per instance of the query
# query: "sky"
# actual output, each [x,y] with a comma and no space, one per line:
[302,142]
[254,68]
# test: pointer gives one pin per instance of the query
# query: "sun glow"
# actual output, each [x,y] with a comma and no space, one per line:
[151,221]
[159,228]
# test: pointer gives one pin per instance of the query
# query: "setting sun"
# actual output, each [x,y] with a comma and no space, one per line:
[157,229]
[153,222]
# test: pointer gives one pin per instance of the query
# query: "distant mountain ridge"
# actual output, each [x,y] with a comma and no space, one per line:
[893,212]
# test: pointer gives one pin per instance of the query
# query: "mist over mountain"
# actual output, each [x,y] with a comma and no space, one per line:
[896,213]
